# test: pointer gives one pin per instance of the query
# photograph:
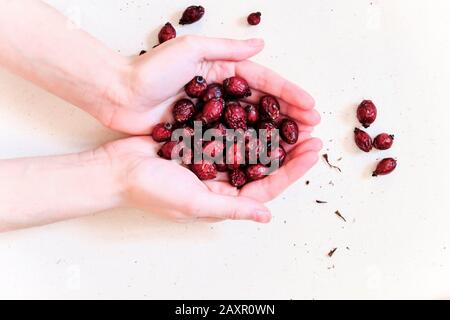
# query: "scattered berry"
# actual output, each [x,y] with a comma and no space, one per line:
[363,140]
[367,113]
[383,141]
[254,18]
[192,14]
[167,33]
[384,167]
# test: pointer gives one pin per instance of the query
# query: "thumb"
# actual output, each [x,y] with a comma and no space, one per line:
[229,49]
[232,208]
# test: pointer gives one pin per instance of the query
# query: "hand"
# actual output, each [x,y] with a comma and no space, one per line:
[156,80]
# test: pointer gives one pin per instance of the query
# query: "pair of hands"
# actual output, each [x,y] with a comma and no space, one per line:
[153,83]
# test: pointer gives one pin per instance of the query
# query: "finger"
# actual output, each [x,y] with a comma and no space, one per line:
[296,166]
[307,117]
[266,80]
[222,187]
[227,49]
[302,137]
[214,206]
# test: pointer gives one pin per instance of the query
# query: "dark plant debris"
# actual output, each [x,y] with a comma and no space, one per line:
[320,201]
[325,156]
[331,253]
[340,215]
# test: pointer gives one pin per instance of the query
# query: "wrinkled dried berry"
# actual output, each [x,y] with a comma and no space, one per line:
[213,150]
[142,52]
[363,140]
[183,110]
[252,114]
[219,129]
[383,141]
[205,170]
[167,32]
[269,128]
[213,91]
[213,110]
[269,108]
[289,131]
[277,155]
[254,18]
[235,116]
[238,178]
[256,172]
[386,166]
[367,113]
[192,14]
[236,87]
[235,157]
[254,148]
[196,87]
[162,132]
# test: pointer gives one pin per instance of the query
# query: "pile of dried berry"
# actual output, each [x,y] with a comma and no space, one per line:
[220,132]
[367,114]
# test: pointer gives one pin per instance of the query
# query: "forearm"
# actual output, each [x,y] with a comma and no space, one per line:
[39,44]
[39,191]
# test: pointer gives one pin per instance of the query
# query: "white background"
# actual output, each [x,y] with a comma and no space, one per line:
[397,232]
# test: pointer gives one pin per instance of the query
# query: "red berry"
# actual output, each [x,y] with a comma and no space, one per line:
[205,170]
[383,141]
[192,14]
[235,157]
[238,178]
[253,150]
[269,128]
[162,132]
[167,150]
[236,87]
[213,149]
[269,108]
[363,140]
[277,155]
[183,110]
[235,116]
[252,114]
[213,91]
[385,167]
[254,18]
[196,87]
[256,172]
[289,131]
[213,110]
[367,113]
[167,32]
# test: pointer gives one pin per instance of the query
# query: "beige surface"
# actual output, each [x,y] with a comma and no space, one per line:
[395,52]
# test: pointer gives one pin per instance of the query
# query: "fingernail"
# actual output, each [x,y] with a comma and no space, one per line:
[255,42]
[263,216]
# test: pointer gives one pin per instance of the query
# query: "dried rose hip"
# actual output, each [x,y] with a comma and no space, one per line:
[219,129]
[277,155]
[269,128]
[363,140]
[238,178]
[192,14]
[385,167]
[235,116]
[256,172]
[383,141]
[183,111]
[205,170]
[367,113]
[252,114]
[213,149]
[289,131]
[254,147]
[167,149]
[196,87]
[236,87]
[235,157]
[162,132]
[254,18]
[213,110]
[213,91]
[269,108]
[167,32]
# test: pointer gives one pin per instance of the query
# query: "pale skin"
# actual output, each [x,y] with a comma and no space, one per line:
[131,95]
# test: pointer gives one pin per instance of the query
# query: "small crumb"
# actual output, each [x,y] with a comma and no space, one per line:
[321,202]
[340,215]
[307,183]
[331,253]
